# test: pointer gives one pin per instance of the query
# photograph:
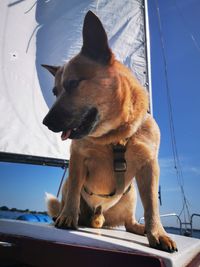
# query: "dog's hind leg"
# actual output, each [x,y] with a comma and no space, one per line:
[131,223]
[134,227]
[123,213]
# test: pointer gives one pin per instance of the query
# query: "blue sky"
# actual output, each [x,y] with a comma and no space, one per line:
[180,20]
[23,186]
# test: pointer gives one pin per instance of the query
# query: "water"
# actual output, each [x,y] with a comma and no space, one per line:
[9,214]
[16,214]
[176,231]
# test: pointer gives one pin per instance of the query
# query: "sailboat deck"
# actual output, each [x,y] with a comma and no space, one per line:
[44,245]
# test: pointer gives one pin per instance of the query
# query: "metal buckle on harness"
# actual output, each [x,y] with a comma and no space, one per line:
[119,163]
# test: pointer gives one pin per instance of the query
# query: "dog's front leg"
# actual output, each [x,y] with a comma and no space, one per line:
[147,180]
[68,217]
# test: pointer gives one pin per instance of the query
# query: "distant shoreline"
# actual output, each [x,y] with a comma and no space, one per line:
[5,208]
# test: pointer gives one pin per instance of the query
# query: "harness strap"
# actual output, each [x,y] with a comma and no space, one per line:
[120,166]
[98,195]
[105,195]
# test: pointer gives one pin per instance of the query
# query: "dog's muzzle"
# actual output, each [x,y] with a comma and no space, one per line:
[73,126]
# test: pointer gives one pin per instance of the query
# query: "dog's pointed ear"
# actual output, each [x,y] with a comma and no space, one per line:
[52,69]
[95,41]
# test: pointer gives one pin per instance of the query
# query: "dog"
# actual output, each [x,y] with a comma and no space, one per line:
[104,110]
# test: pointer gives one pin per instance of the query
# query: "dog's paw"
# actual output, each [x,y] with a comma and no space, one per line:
[97,221]
[67,221]
[162,242]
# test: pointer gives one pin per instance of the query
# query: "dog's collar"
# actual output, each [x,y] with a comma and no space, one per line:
[105,195]
[120,164]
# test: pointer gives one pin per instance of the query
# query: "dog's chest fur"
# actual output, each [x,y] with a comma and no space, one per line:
[98,158]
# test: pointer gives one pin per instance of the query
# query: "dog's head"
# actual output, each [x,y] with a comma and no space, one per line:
[89,96]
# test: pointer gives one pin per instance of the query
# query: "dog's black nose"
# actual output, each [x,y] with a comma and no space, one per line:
[52,123]
[45,121]
[57,119]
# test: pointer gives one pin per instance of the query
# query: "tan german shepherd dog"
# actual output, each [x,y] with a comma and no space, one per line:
[100,106]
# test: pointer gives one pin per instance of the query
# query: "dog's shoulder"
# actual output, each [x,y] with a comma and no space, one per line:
[86,148]
[146,140]
[148,130]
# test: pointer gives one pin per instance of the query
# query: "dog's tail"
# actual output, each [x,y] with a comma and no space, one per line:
[53,205]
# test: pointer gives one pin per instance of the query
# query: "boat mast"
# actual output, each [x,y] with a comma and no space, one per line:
[148,55]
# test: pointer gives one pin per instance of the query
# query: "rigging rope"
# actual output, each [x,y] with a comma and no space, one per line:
[62,180]
[177,164]
[187,28]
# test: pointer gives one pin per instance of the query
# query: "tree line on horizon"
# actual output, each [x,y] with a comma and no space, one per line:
[5,208]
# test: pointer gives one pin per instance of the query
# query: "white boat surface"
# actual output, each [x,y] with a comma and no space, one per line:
[21,240]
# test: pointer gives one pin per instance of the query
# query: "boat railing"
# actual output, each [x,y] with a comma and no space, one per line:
[193,215]
[181,224]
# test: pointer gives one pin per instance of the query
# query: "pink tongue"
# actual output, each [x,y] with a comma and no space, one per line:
[65,135]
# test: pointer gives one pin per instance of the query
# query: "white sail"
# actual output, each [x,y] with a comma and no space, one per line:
[50,32]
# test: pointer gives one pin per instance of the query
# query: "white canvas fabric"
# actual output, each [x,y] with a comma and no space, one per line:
[50,32]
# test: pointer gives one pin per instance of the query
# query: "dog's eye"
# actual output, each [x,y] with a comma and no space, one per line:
[55,91]
[71,84]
